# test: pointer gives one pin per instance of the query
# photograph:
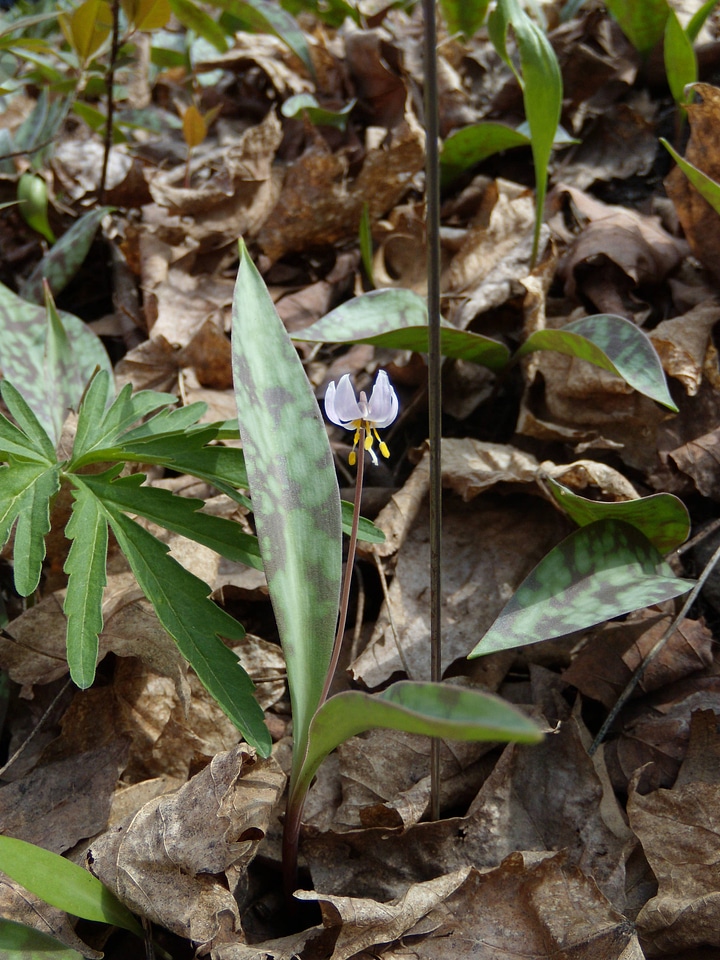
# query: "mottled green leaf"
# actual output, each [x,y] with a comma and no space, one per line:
[707,188]
[475,143]
[306,104]
[60,264]
[398,319]
[464,16]
[642,21]
[23,343]
[179,514]
[42,126]
[294,491]
[612,343]
[18,942]
[195,623]
[541,82]
[86,570]
[434,709]
[662,518]
[603,570]
[63,884]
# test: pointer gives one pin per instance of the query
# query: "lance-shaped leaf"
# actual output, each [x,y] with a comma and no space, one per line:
[63,884]
[25,492]
[179,514]
[63,261]
[18,942]
[464,17]
[475,143]
[661,517]
[602,570]
[642,23]
[23,346]
[708,188]
[612,343]
[294,491]
[86,570]
[398,319]
[195,623]
[14,441]
[433,709]
[27,421]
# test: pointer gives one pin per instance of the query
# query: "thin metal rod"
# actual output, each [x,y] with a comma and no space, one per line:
[110,80]
[432,189]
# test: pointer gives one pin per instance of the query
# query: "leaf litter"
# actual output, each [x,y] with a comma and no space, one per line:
[609,855]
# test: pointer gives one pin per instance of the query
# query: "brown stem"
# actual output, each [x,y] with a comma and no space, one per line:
[110,97]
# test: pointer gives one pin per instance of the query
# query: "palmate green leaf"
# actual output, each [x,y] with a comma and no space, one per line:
[603,570]
[708,188]
[63,884]
[612,343]
[23,344]
[434,709]
[662,518]
[179,514]
[195,623]
[63,261]
[398,319]
[14,441]
[27,421]
[541,83]
[475,143]
[680,61]
[464,16]
[18,942]
[642,21]
[86,570]
[294,492]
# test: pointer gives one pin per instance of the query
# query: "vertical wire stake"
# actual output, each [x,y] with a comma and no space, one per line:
[432,189]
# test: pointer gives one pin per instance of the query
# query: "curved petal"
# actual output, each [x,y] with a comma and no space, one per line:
[383,405]
[341,405]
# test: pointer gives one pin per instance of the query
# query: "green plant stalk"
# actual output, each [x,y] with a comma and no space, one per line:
[297,792]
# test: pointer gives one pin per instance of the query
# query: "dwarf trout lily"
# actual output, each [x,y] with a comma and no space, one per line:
[359,413]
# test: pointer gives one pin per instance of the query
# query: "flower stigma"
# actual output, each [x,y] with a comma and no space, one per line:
[358,413]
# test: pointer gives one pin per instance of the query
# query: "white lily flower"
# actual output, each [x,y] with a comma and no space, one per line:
[358,413]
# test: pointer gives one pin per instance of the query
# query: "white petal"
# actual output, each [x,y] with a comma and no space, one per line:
[383,405]
[341,405]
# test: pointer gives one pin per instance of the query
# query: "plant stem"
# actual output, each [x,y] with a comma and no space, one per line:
[347,579]
[110,97]
[432,190]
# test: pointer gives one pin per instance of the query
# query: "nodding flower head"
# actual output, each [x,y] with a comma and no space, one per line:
[359,413]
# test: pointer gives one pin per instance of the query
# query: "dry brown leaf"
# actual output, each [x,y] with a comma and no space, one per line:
[699,460]
[320,205]
[699,221]
[680,833]
[682,344]
[164,863]
[609,658]
[61,803]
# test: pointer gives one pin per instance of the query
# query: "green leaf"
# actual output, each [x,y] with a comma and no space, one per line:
[60,264]
[367,530]
[642,21]
[64,377]
[27,421]
[18,942]
[195,623]
[434,709]
[366,243]
[398,319]
[23,345]
[698,19]
[191,15]
[464,16]
[306,103]
[13,440]
[603,570]
[475,143]
[541,83]
[294,492]
[680,60]
[260,16]
[661,517]
[612,343]
[33,200]
[707,188]
[179,514]
[63,884]
[86,570]
[33,524]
